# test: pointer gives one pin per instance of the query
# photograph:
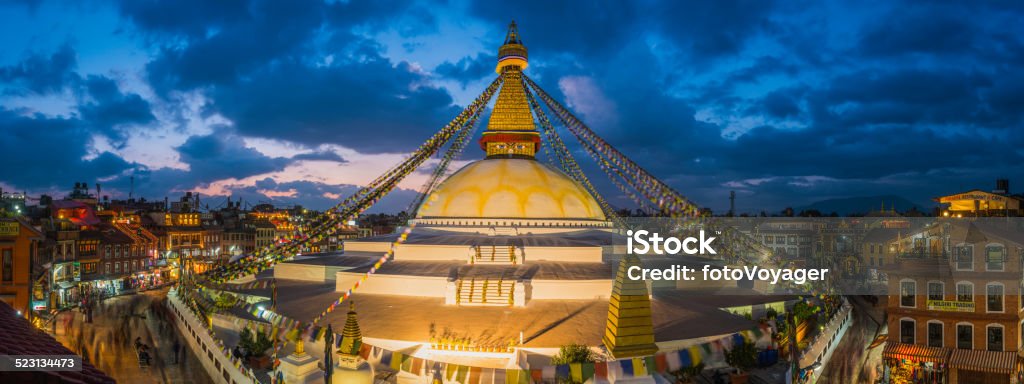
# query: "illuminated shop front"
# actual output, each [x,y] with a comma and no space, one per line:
[912,363]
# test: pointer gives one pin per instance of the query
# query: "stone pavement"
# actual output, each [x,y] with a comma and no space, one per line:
[108,341]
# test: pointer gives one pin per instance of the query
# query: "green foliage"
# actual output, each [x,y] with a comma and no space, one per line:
[226,301]
[771,313]
[573,353]
[688,373]
[743,356]
[256,343]
[803,311]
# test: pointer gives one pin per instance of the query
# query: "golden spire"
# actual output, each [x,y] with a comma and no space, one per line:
[351,337]
[629,331]
[511,130]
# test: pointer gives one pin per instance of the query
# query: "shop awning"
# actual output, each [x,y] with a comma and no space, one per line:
[984,361]
[915,352]
[66,284]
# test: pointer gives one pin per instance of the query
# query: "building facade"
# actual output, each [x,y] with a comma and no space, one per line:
[19,244]
[955,309]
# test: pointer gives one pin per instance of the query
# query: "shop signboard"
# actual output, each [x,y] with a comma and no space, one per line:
[9,228]
[951,306]
[77,271]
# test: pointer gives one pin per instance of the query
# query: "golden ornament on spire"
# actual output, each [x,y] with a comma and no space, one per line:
[511,131]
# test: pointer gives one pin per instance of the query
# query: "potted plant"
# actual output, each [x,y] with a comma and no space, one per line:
[743,357]
[570,354]
[256,345]
[688,375]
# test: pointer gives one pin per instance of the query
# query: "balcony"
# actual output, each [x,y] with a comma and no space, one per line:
[924,255]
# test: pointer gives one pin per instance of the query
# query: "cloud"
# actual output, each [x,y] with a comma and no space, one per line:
[41,74]
[808,99]
[222,155]
[109,108]
[584,96]
[29,167]
[316,195]
[371,106]
[916,30]
[468,69]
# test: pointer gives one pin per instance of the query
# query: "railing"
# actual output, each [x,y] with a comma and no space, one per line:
[911,255]
[221,367]
[821,347]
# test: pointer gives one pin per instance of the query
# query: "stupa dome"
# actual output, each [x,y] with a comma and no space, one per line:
[511,188]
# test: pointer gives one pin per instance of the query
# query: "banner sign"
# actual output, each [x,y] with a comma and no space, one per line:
[951,306]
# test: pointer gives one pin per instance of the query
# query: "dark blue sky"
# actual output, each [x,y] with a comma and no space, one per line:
[786,102]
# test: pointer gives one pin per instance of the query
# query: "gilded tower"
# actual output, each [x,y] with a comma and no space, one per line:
[629,331]
[511,131]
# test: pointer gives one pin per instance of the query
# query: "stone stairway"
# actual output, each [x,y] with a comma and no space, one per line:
[485,291]
[495,254]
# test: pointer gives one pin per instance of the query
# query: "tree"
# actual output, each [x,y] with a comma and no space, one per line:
[742,356]
[256,343]
[573,353]
[687,375]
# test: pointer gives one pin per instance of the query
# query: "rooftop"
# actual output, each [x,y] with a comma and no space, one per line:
[543,323]
[21,338]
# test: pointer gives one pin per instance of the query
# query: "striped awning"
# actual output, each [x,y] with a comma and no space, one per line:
[984,361]
[915,352]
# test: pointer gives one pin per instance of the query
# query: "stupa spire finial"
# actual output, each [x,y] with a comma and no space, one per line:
[511,131]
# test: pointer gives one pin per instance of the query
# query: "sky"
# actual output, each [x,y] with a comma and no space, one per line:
[301,102]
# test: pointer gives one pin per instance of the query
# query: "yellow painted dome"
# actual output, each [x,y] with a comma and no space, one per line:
[511,188]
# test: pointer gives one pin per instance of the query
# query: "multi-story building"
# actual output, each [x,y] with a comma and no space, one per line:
[265,233]
[144,251]
[19,244]
[65,270]
[791,238]
[88,260]
[238,240]
[837,247]
[116,259]
[955,309]
[976,202]
[184,242]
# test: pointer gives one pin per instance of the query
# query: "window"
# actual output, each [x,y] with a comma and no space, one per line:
[907,331]
[995,337]
[965,336]
[106,268]
[935,334]
[8,265]
[935,290]
[965,292]
[994,297]
[117,267]
[965,257]
[995,257]
[907,291]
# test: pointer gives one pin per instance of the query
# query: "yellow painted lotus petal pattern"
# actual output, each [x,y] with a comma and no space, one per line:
[511,188]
